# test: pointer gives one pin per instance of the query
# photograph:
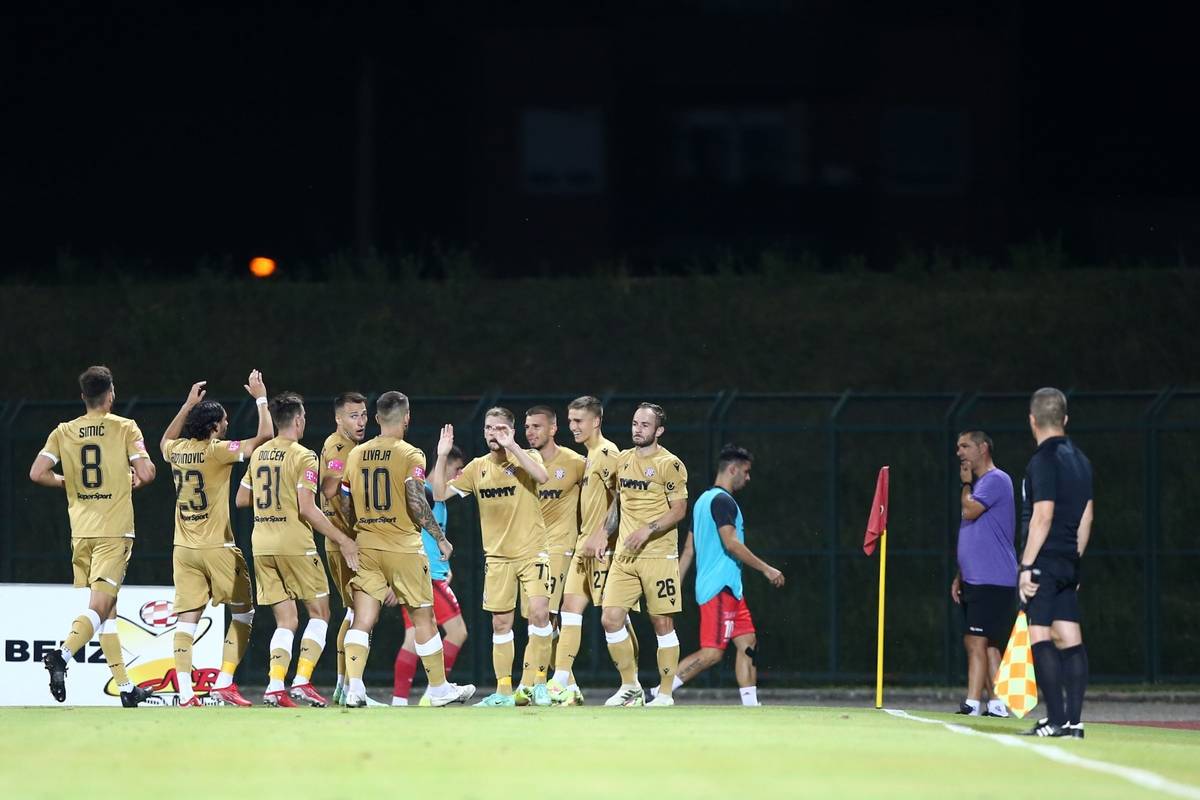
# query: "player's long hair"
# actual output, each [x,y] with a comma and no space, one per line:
[203,419]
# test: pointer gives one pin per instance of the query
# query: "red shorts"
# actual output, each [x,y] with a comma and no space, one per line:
[723,618]
[445,605]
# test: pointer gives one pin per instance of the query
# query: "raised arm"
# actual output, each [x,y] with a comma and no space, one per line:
[972,509]
[175,427]
[255,387]
[437,478]
[422,514]
[507,440]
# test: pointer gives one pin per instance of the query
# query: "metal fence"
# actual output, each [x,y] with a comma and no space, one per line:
[816,456]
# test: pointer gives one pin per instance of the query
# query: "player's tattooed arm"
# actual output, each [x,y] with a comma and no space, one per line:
[597,543]
[418,508]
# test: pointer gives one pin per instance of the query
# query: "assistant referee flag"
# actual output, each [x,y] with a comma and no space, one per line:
[877,522]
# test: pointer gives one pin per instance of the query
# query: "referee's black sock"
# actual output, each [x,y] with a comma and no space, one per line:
[1048,666]
[1074,678]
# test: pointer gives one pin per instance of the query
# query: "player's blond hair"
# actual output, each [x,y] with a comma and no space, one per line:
[501,411]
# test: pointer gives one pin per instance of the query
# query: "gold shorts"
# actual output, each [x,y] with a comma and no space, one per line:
[213,573]
[406,574]
[586,576]
[559,562]
[340,571]
[100,562]
[632,577]
[502,578]
[280,578]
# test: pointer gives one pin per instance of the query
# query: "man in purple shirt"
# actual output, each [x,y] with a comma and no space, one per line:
[985,585]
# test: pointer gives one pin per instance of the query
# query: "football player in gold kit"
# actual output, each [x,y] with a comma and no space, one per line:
[281,481]
[559,499]
[586,574]
[207,564]
[506,482]
[393,565]
[651,502]
[96,452]
[350,416]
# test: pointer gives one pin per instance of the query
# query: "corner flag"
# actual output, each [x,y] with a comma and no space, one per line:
[877,532]
[877,522]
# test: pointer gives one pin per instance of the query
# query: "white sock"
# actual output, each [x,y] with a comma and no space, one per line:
[974,706]
[399,701]
[749,695]
[676,683]
[275,685]
[431,648]
[561,676]
[358,687]
[185,687]
[316,631]
[224,680]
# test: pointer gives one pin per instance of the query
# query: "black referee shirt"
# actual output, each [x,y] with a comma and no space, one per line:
[1058,471]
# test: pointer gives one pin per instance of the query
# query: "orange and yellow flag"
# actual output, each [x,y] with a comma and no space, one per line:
[1016,684]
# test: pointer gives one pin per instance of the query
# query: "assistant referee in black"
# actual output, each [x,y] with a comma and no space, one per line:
[1057,512]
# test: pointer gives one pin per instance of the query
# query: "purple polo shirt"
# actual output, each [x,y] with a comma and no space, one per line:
[986,554]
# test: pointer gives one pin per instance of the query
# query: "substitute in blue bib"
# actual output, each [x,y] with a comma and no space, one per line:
[718,543]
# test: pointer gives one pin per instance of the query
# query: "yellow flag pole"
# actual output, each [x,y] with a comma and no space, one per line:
[879,644]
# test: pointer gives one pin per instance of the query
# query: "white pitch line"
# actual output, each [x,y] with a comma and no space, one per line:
[1140,777]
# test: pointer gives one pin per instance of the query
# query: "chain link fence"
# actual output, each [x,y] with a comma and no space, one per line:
[816,456]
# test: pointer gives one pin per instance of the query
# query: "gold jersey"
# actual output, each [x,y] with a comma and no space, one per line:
[334,453]
[559,498]
[375,477]
[95,451]
[201,469]
[598,487]
[277,472]
[510,516]
[645,486]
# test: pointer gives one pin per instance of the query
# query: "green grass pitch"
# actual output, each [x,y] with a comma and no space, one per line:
[687,752]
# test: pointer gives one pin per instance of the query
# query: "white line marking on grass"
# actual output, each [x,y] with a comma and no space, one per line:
[1141,777]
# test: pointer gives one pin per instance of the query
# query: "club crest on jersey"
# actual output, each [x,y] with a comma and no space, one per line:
[649,472]
[560,473]
[509,471]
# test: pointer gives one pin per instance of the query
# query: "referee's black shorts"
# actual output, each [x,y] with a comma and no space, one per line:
[1056,597]
[989,611]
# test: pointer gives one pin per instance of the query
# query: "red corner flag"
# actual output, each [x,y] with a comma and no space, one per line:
[877,522]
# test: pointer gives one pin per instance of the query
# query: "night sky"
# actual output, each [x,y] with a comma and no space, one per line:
[166,133]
